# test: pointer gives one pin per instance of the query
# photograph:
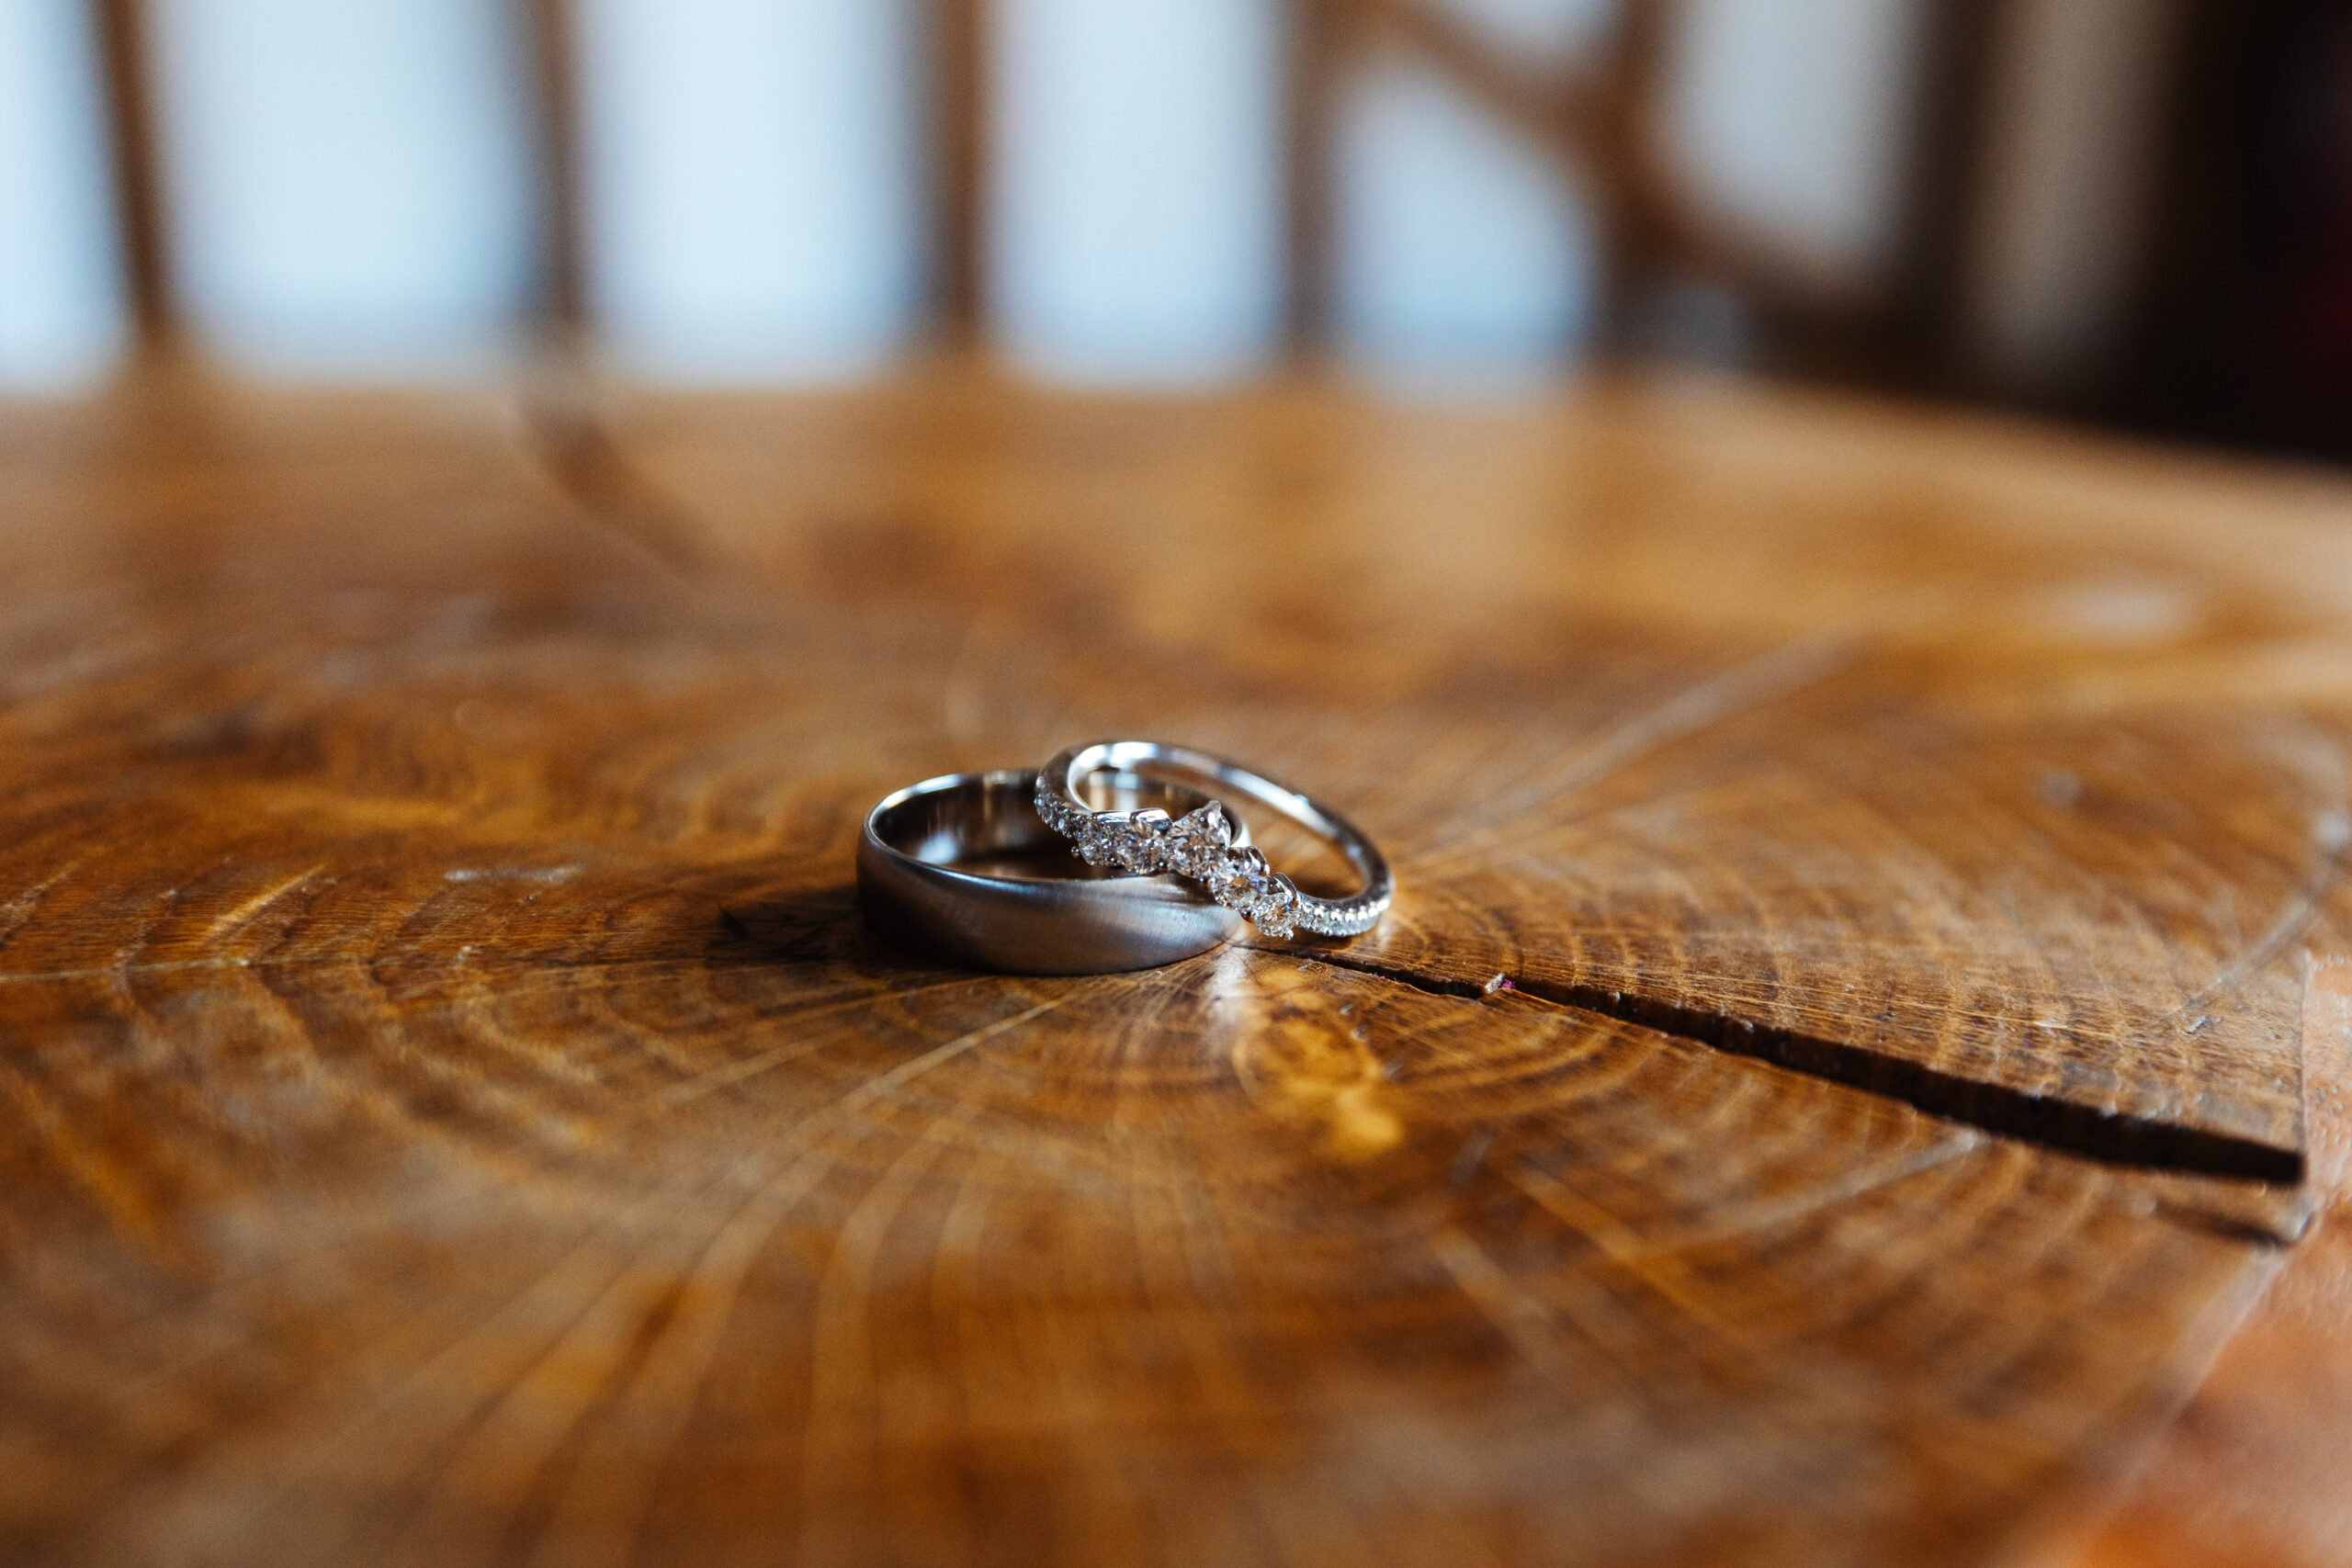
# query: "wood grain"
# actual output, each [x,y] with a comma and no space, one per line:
[2252,1473]
[457,1116]
[1785,723]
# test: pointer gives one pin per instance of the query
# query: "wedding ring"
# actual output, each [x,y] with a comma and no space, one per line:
[958,868]
[1202,845]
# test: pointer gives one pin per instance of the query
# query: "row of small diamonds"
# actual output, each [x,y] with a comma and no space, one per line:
[1325,922]
[1197,846]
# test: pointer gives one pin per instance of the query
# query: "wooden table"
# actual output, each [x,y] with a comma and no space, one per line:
[1834,1074]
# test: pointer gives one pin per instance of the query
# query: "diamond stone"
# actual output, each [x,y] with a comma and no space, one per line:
[1142,849]
[1229,880]
[1244,882]
[1196,843]
[1274,909]
[1100,840]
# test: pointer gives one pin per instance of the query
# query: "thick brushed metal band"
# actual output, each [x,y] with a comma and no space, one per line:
[1066,919]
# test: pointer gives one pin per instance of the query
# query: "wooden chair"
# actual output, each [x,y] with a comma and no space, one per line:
[1602,119]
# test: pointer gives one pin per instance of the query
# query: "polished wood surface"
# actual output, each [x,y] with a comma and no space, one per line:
[1833,1077]
[2251,1474]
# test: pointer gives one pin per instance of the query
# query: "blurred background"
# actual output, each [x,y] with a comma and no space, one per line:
[2137,212]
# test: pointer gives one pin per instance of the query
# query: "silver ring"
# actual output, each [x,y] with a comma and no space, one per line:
[1204,846]
[957,868]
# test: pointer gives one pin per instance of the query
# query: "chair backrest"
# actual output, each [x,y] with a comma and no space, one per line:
[1602,117]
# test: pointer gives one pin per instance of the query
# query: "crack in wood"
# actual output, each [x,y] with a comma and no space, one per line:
[2109,1137]
[2231,1227]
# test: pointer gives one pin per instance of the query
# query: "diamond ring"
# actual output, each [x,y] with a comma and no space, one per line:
[1202,847]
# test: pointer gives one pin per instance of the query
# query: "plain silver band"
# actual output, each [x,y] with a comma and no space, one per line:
[1078,924]
[1351,916]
